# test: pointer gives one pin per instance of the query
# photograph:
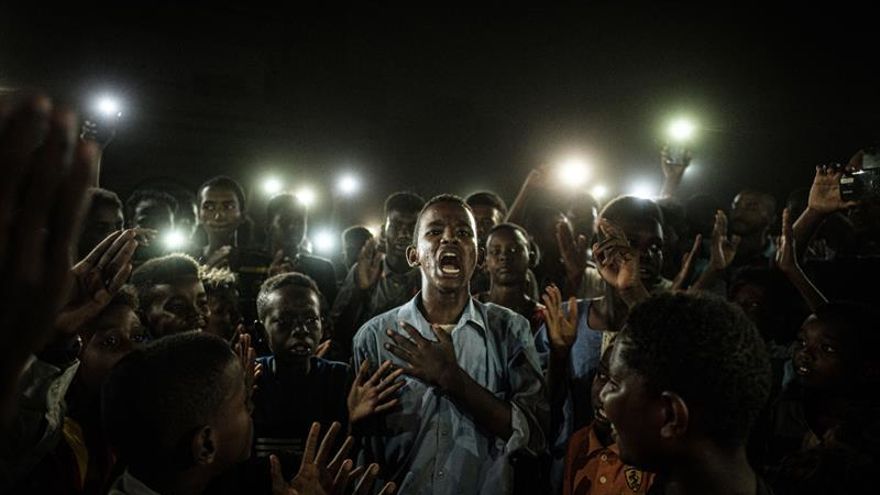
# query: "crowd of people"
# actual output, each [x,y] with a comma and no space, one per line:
[559,345]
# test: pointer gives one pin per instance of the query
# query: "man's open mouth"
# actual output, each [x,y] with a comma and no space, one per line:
[450,263]
[300,349]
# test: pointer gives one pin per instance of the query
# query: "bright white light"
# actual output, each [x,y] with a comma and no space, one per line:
[325,242]
[272,185]
[109,106]
[681,130]
[573,172]
[348,184]
[174,240]
[375,229]
[643,190]
[599,192]
[306,196]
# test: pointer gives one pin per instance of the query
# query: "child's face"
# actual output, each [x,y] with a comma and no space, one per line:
[507,257]
[233,424]
[116,332]
[293,323]
[178,307]
[819,356]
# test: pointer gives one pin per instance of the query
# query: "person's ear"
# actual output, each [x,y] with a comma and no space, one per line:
[412,256]
[676,416]
[203,446]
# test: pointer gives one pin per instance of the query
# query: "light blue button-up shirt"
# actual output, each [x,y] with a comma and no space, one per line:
[429,445]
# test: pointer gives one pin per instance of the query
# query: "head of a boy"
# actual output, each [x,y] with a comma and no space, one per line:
[687,373]
[508,255]
[642,222]
[108,337]
[444,244]
[290,307]
[178,407]
[834,348]
[172,297]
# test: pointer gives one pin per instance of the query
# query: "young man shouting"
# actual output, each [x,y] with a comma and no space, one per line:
[473,392]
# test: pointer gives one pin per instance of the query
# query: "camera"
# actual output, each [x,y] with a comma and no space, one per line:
[864,184]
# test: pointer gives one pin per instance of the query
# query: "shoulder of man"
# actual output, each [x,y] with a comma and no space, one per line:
[501,319]
[376,325]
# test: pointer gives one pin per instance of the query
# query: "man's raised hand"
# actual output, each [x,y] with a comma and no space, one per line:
[369,265]
[373,394]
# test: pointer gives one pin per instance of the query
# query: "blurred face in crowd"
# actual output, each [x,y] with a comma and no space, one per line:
[446,249]
[819,356]
[186,219]
[102,220]
[398,232]
[507,257]
[486,217]
[751,213]
[287,228]
[152,214]
[634,412]
[292,320]
[178,307]
[754,300]
[583,220]
[352,243]
[115,332]
[224,315]
[219,210]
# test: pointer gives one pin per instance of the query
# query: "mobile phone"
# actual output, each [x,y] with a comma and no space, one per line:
[861,185]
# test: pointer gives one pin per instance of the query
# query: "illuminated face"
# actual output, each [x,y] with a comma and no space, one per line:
[293,322]
[507,257]
[447,249]
[178,307]
[633,412]
[219,210]
[818,356]
[115,332]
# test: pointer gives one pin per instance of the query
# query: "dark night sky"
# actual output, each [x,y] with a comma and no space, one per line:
[458,100]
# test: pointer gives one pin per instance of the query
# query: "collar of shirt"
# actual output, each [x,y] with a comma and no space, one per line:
[594,446]
[129,485]
[411,314]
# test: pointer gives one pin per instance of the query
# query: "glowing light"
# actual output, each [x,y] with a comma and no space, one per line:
[306,196]
[599,192]
[573,172]
[174,240]
[325,242]
[375,228]
[681,130]
[642,189]
[272,185]
[109,106]
[348,184]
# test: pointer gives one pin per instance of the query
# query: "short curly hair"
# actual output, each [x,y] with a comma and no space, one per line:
[167,388]
[487,198]
[440,198]
[163,270]
[290,279]
[708,352]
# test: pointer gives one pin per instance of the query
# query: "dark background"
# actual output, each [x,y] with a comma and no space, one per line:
[457,99]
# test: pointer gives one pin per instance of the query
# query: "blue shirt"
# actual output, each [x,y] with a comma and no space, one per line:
[429,445]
